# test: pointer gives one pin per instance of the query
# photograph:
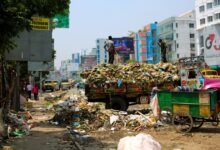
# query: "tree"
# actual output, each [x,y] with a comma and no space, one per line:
[15,17]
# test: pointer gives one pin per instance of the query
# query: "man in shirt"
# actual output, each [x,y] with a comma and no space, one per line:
[29,89]
[109,46]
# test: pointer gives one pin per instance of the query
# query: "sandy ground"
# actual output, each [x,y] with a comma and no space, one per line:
[50,137]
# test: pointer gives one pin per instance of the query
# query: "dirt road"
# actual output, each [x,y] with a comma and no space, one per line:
[50,137]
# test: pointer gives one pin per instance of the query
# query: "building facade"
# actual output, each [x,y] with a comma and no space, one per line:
[66,69]
[180,35]
[208,29]
[153,52]
[145,43]
[101,53]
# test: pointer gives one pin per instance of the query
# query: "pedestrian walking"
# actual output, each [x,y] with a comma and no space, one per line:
[35,91]
[29,89]
[109,46]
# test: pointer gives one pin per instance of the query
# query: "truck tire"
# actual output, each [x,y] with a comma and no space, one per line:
[119,104]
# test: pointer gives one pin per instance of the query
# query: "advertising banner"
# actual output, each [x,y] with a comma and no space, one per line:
[39,23]
[211,37]
[124,45]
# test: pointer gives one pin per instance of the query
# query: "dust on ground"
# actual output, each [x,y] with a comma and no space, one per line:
[45,136]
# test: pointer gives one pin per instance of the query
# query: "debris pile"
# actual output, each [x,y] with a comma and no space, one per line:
[134,72]
[18,123]
[79,114]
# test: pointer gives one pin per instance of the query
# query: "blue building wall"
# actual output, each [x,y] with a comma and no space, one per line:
[153,51]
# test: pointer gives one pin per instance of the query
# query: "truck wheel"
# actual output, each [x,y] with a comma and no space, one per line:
[119,104]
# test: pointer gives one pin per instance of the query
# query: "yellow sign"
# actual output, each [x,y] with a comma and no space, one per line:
[39,23]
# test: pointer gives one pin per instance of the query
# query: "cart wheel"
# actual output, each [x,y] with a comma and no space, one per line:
[166,116]
[215,120]
[197,123]
[182,122]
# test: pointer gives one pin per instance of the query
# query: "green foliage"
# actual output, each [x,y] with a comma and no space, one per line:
[15,17]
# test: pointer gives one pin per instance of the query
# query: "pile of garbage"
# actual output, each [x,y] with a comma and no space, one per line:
[133,72]
[79,114]
[18,123]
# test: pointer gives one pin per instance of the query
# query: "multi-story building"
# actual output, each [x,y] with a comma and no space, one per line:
[153,52]
[76,60]
[146,48]
[66,69]
[208,29]
[180,35]
[101,53]
[88,62]
[140,47]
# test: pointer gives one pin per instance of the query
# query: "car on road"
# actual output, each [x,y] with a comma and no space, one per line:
[52,85]
[65,85]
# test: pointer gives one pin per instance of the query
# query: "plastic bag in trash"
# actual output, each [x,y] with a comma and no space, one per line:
[139,142]
[154,106]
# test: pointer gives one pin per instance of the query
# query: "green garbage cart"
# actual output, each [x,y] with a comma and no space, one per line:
[188,110]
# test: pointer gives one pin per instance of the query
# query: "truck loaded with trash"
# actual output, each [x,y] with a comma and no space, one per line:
[118,85]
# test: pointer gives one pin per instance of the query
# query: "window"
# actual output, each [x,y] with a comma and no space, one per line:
[210,18]
[177,35]
[176,25]
[202,8]
[177,45]
[202,21]
[217,16]
[178,55]
[193,55]
[97,41]
[191,74]
[209,5]
[201,41]
[191,35]
[191,25]
[202,52]
[192,45]
[216,2]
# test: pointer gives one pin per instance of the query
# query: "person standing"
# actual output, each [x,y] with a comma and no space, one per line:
[35,92]
[109,46]
[163,48]
[29,89]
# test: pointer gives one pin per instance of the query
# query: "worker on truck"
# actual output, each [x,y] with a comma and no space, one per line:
[109,46]
[163,48]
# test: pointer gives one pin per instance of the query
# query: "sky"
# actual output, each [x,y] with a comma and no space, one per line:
[92,19]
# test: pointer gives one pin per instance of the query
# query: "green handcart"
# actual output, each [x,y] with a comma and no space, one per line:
[188,110]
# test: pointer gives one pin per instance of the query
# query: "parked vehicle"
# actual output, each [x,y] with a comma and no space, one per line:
[65,85]
[51,85]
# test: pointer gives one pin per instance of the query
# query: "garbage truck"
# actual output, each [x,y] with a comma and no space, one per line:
[120,85]
[134,82]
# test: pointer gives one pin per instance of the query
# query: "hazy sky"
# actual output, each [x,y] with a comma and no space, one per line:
[92,19]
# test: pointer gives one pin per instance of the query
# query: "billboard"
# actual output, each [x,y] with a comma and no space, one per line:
[36,45]
[39,23]
[211,44]
[124,45]
[40,66]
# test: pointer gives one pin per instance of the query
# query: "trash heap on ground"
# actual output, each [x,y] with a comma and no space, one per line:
[18,123]
[133,72]
[76,112]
